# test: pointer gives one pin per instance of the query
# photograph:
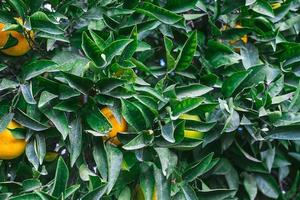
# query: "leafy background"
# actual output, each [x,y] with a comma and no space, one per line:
[152,61]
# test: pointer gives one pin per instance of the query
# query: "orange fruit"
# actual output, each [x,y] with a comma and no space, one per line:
[11,147]
[276,5]
[22,47]
[117,126]
[244,38]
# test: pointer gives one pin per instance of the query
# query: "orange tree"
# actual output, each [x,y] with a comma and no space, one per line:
[154,99]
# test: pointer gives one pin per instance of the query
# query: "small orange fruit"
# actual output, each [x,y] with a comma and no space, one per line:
[11,147]
[117,126]
[22,47]
[276,5]
[244,38]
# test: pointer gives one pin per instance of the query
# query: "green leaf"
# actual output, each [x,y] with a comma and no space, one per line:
[250,186]
[61,178]
[81,84]
[26,90]
[59,119]
[133,115]
[221,194]
[191,91]
[199,168]
[27,121]
[125,194]
[231,84]
[31,154]
[285,133]
[163,189]
[38,67]
[30,196]
[170,59]
[159,13]
[167,132]
[131,48]
[5,120]
[95,194]
[168,160]
[97,121]
[75,138]
[71,190]
[250,56]
[19,6]
[142,140]
[42,22]
[31,184]
[8,84]
[295,103]
[188,192]
[100,157]
[115,48]
[92,51]
[45,98]
[185,105]
[180,5]
[264,8]
[115,157]
[150,91]
[267,185]
[187,53]
[107,84]
[147,182]
[98,40]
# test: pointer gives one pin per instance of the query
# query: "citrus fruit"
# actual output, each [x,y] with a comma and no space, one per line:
[244,38]
[117,126]
[276,5]
[191,134]
[11,147]
[22,47]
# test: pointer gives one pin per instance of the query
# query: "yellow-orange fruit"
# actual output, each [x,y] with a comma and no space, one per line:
[22,47]
[11,147]
[276,5]
[191,134]
[117,127]
[244,38]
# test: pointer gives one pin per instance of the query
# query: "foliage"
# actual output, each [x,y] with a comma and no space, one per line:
[152,61]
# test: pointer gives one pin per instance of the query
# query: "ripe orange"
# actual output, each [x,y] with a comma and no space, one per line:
[11,147]
[116,126]
[22,47]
